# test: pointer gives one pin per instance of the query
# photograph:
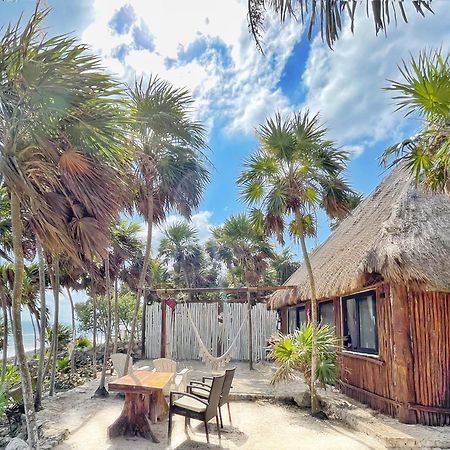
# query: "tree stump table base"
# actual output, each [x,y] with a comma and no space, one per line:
[134,419]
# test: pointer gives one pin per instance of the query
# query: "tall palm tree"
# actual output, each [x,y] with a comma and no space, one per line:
[328,15]
[242,247]
[62,155]
[171,171]
[126,246]
[180,246]
[284,265]
[295,171]
[425,92]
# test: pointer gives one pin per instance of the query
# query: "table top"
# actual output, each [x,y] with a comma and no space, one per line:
[141,380]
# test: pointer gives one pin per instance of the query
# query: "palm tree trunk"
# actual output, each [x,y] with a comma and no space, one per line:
[315,403]
[101,391]
[55,287]
[74,333]
[94,331]
[5,338]
[143,275]
[27,387]
[42,334]
[34,332]
[116,314]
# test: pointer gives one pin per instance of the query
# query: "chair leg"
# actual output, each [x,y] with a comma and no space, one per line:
[206,431]
[170,428]
[220,417]
[186,422]
[218,427]
[229,412]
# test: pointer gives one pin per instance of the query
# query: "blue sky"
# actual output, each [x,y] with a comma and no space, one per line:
[205,45]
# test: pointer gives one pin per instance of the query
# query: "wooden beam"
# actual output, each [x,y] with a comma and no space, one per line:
[250,331]
[403,363]
[220,289]
[163,329]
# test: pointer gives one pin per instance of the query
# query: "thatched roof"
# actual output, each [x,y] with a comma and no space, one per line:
[399,231]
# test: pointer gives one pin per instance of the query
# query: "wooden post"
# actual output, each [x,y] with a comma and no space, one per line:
[163,328]
[403,363]
[220,327]
[250,334]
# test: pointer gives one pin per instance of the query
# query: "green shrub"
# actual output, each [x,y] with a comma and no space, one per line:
[3,399]
[64,335]
[12,376]
[63,364]
[83,342]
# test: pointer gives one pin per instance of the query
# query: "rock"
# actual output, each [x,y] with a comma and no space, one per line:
[17,444]
[303,400]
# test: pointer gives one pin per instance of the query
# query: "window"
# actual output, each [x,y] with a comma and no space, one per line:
[326,313]
[296,317]
[360,323]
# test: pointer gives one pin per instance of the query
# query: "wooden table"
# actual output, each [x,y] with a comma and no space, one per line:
[144,403]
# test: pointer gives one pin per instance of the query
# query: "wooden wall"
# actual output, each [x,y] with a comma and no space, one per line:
[374,381]
[366,378]
[430,329]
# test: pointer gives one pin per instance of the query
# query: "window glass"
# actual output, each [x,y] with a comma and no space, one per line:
[326,313]
[301,315]
[360,323]
[292,320]
[367,323]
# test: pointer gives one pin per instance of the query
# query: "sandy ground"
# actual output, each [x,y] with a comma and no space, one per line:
[256,425]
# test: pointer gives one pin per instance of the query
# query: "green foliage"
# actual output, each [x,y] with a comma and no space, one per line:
[63,364]
[292,354]
[64,335]
[3,399]
[83,342]
[425,92]
[12,375]
[85,313]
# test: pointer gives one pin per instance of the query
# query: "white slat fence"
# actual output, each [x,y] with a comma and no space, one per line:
[182,343]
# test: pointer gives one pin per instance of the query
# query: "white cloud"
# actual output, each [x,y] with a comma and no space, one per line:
[354,150]
[201,221]
[240,86]
[345,85]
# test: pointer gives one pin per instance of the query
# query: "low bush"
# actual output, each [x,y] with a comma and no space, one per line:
[83,342]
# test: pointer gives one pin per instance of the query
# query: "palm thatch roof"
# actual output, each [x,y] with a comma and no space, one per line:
[399,232]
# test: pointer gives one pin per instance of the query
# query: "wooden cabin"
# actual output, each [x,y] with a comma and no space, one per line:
[383,280]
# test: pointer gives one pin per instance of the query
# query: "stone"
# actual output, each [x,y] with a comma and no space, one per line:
[303,400]
[17,444]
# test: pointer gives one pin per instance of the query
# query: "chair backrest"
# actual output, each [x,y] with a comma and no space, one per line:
[229,375]
[214,397]
[165,365]
[119,360]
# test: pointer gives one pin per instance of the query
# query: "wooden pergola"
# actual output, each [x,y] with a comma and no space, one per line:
[248,290]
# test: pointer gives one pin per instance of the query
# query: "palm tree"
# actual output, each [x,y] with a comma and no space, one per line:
[328,15]
[295,172]
[62,153]
[126,245]
[180,246]
[353,200]
[284,265]
[242,247]
[171,172]
[424,92]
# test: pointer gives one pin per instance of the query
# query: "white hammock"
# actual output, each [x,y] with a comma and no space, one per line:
[213,362]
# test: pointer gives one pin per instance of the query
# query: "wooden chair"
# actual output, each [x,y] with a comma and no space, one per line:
[119,361]
[179,381]
[202,389]
[192,407]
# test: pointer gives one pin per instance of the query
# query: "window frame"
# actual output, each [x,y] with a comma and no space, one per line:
[297,317]
[319,316]
[358,296]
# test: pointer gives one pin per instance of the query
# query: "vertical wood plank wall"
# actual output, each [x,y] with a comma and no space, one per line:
[430,327]
[368,379]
